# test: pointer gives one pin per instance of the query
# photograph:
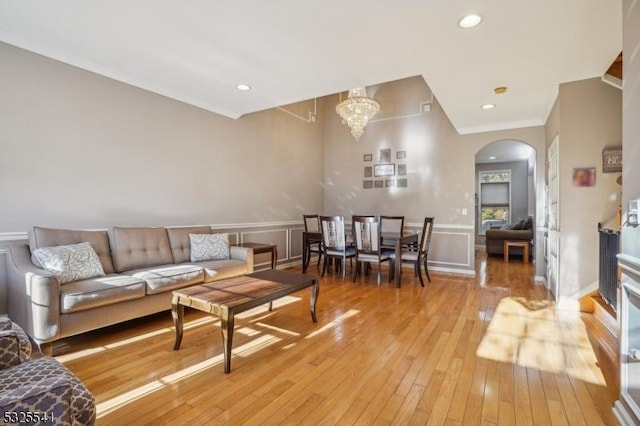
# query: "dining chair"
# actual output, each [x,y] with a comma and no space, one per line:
[312,224]
[391,224]
[334,243]
[366,234]
[419,257]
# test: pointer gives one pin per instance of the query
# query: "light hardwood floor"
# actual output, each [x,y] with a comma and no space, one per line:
[485,350]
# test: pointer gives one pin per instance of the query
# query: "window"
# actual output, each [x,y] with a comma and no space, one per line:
[495,198]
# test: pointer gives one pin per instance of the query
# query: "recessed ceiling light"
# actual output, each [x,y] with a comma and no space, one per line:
[243,87]
[488,106]
[492,157]
[470,21]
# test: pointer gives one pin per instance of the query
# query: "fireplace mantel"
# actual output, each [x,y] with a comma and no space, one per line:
[627,408]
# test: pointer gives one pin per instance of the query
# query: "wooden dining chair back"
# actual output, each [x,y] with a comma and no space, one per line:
[392,224]
[367,237]
[334,242]
[314,244]
[311,223]
[425,242]
[419,257]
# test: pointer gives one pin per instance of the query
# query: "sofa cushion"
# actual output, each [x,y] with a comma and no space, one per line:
[215,270]
[49,237]
[70,263]
[91,293]
[180,244]
[135,248]
[168,277]
[209,247]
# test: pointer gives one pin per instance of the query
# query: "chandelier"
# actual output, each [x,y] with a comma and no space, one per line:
[357,110]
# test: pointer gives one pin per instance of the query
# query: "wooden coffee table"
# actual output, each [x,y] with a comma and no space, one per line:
[225,298]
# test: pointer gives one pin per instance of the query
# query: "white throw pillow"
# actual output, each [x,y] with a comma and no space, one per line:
[70,263]
[209,247]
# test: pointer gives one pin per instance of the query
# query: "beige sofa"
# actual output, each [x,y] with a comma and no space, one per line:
[142,267]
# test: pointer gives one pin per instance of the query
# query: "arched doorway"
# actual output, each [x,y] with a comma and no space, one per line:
[505,188]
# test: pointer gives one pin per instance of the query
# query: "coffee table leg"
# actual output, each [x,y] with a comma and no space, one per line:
[177,312]
[227,322]
[270,306]
[314,300]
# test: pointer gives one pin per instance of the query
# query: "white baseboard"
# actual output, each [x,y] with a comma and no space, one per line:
[620,411]
[540,279]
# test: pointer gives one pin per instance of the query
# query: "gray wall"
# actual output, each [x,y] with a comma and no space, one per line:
[519,187]
[587,117]
[440,162]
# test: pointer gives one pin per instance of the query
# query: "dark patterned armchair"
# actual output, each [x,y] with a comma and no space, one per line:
[41,390]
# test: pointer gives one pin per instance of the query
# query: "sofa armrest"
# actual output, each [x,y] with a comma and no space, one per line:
[34,295]
[506,234]
[48,397]
[243,253]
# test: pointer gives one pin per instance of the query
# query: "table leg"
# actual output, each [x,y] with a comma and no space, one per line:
[270,306]
[525,253]
[305,261]
[398,262]
[505,249]
[274,257]
[226,326]
[314,300]
[177,312]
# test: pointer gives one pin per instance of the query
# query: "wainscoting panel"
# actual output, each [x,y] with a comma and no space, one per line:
[451,249]
[295,243]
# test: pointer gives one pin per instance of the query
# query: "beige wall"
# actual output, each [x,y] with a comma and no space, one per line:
[441,166]
[79,150]
[588,119]
[631,122]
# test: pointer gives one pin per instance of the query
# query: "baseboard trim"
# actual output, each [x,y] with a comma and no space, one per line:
[540,279]
[620,411]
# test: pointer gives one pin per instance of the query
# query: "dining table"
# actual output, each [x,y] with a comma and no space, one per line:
[396,239]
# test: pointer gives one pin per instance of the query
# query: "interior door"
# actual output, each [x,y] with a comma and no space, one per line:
[553,212]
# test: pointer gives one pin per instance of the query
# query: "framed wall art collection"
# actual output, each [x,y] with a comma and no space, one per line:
[384,173]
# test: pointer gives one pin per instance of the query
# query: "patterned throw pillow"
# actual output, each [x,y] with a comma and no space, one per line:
[209,247]
[70,263]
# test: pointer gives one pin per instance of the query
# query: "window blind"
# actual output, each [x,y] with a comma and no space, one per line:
[495,194]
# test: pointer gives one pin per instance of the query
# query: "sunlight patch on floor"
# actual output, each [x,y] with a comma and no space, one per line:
[336,323]
[105,407]
[532,333]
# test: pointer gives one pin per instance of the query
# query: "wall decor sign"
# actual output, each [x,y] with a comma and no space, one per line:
[378,183]
[384,170]
[584,176]
[367,184]
[385,155]
[612,159]
[401,155]
[368,171]
[367,157]
[402,169]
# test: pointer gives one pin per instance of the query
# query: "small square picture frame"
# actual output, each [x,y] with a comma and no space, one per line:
[402,170]
[367,184]
[367,157]
[401,155]
[402,183]
[385,155]
[390,183]
[378,184]
[368,171]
